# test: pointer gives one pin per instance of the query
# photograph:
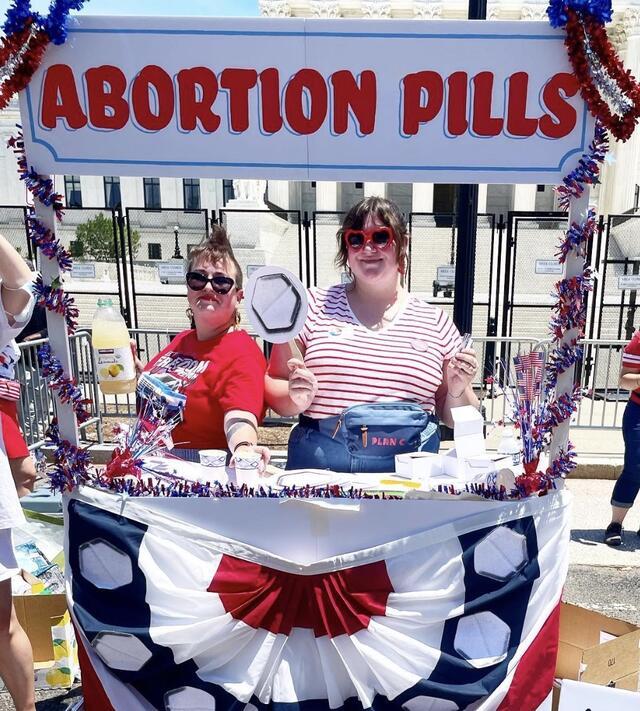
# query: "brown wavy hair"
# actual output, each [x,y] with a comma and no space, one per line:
[216,248]
[388,213]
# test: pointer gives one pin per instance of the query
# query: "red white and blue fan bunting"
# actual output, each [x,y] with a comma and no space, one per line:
[434,607]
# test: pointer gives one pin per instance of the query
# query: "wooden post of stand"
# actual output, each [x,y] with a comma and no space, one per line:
[57,329]
[573,266]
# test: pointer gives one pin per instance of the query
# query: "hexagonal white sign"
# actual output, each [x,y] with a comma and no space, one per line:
[482,639]
[188,698]
[429,703]
[104,565]
[501,554]
[121,650]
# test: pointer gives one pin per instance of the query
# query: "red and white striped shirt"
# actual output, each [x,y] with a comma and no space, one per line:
[631,359]
[355,365]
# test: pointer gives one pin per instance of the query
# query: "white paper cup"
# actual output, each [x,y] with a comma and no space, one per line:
[213,457]
[213,465]
[247,465]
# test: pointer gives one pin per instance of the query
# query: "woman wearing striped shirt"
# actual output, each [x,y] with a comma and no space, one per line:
[371,344]
[626,489]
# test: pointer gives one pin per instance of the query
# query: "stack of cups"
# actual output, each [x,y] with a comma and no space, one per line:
[212,463]
[247,465]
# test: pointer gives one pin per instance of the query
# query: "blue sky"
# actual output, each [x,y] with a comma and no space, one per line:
[182,8]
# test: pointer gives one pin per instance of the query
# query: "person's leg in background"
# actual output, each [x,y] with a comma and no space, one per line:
[626,488]
[16,658]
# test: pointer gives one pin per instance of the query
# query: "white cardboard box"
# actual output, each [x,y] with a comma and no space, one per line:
[579,696]
[468,433]
[419,465]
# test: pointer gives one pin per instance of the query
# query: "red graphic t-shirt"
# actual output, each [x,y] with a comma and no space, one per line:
[223,374]
[631,359]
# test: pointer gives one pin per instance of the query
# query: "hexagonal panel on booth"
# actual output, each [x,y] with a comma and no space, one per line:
[482,639]
[501,554]
[104,565]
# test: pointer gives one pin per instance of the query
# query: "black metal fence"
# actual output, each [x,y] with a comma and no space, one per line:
[137,258]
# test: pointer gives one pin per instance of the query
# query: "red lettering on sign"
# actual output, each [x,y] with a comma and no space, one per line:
[307,87]
[360,98]
[518,124]
[561,87]
[152,83]
[457,123]
[60,98]
[414,112]
[238,82]
[106,86]
[198,89]
[270,100]
[483,124]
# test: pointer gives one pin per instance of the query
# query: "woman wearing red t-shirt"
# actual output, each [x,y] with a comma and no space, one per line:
[216,365]
[628,485]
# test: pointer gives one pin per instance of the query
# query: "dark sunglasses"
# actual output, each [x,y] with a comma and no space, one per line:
[219,283]
[377,237]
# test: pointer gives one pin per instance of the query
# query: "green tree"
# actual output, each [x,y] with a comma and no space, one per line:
[94,240]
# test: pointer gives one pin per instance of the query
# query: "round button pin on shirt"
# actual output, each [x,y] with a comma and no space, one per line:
[419,345]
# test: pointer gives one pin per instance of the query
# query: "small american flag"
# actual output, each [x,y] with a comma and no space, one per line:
[529,370]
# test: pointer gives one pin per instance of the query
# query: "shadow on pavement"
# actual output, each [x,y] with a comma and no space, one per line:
[591,537]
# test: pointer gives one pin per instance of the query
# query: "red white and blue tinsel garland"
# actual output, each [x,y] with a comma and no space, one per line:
[570,307]
[577,238]
[66,388]
[56,300]
[27,34]
[43,239]
[588,170]
[70,463]
[41,188]
[610,91]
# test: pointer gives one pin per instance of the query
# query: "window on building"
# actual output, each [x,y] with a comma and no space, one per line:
[636,198]
[540,188]
[152,193]
[155,250]
[227,191]
[313,183]
[359,186]
[72,190]
[112,197]
[191,193]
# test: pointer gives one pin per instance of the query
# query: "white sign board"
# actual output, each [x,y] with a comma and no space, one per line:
[83,270]
[630,281]
[577,696]
[446,275]
[441,101]
[171,271]
[548,266]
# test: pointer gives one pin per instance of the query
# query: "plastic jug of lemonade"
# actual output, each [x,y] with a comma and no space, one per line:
[112,350]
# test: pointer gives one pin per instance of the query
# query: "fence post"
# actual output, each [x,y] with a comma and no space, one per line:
[307,251]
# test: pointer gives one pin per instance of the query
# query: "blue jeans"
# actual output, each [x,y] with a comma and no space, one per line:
[628,485]
[311,448]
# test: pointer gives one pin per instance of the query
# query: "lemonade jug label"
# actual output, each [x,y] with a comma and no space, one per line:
[115,364]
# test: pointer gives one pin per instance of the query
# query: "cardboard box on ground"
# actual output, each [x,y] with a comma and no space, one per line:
[600,650]
[46,621]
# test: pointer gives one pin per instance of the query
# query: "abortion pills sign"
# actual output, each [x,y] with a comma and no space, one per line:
[307,99]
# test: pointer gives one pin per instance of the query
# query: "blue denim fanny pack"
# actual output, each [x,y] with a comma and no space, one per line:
[382,429]
[363,438]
